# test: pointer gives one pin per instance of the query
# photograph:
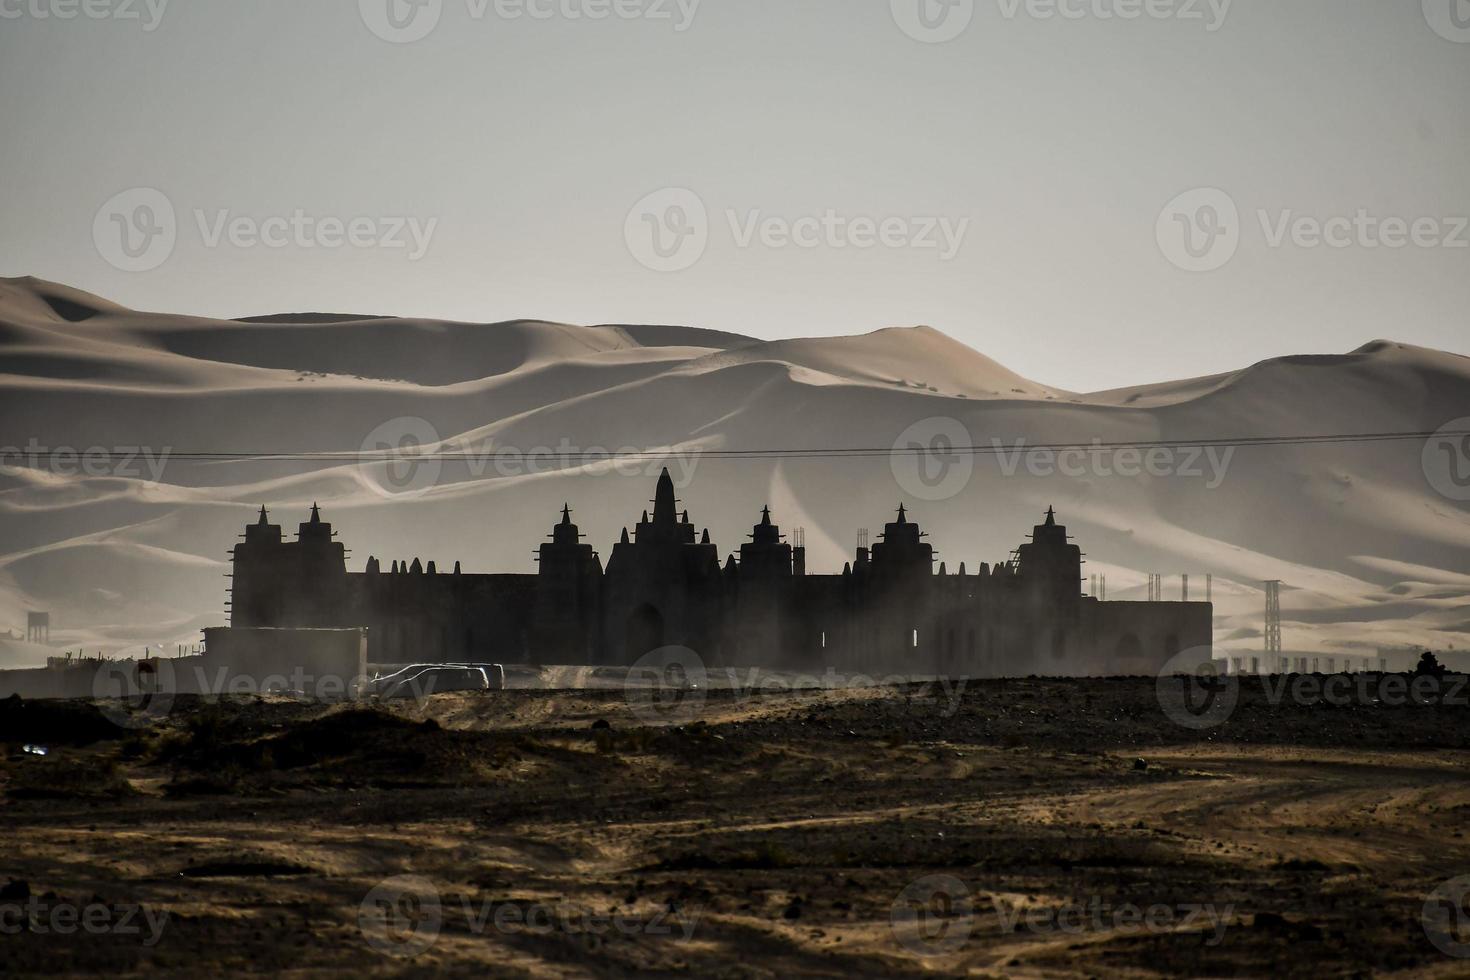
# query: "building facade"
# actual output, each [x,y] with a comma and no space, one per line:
[889,609]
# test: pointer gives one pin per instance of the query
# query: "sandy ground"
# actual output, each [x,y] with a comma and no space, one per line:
[1022,828]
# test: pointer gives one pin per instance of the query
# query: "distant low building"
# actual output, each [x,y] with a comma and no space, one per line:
[888,610]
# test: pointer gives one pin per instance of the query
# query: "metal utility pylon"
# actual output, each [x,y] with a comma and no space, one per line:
[1273,620]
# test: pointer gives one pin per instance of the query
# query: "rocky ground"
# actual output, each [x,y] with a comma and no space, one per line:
[1009,828]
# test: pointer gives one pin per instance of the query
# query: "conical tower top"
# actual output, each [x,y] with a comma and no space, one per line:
[663,500]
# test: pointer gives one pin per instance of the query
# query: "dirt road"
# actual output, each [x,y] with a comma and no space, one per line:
[1023,828]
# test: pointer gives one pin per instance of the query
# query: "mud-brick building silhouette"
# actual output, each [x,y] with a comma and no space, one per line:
[889,609]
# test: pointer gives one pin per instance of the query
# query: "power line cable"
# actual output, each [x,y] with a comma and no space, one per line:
[407,454]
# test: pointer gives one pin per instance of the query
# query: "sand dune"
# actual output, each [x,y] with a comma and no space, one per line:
[919,359]
[1371,554]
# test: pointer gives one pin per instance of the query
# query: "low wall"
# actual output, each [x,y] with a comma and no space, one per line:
[49,682]
[103,678]
[1144,638]
[320,663]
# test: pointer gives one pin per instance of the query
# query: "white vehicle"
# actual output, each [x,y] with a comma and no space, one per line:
[423,680]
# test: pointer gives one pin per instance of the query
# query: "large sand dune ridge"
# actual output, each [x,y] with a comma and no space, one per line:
[1372,553]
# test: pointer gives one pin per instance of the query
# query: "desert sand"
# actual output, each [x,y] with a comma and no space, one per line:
[1372,555]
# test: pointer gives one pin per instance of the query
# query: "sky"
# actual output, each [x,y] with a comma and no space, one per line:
[1096,193]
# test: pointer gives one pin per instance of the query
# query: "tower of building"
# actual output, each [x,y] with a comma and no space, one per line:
[663,586]
[301,583]
[1050,566]
[257,562]
[761,597]
[568,586]
[317,575]
[902,556]
[666,526]
[765,556]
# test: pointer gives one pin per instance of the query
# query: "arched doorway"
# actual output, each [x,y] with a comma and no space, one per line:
[645,632]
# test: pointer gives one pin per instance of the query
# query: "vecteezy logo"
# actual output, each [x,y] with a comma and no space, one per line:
[401,21]
[397,458]
[666,685]
[136,230]
[933,916]
[1199,231]
[1446,917]
[668,230]
[932,460]
[933,21]
[1193,693]
[1450,19]
[1447,460]
[401,917]
[134,694]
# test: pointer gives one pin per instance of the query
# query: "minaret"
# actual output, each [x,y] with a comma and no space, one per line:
[259,564]
[263,531]
[766,556]
[765,531]
[1050,566]
[666,526]
[566,532]
[902,554]
[663,500]
[565,611]
[315,530]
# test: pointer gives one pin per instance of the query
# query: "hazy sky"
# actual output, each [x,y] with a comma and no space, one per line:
[1017,185]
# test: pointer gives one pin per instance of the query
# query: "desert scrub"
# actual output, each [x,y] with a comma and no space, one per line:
[57,777]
